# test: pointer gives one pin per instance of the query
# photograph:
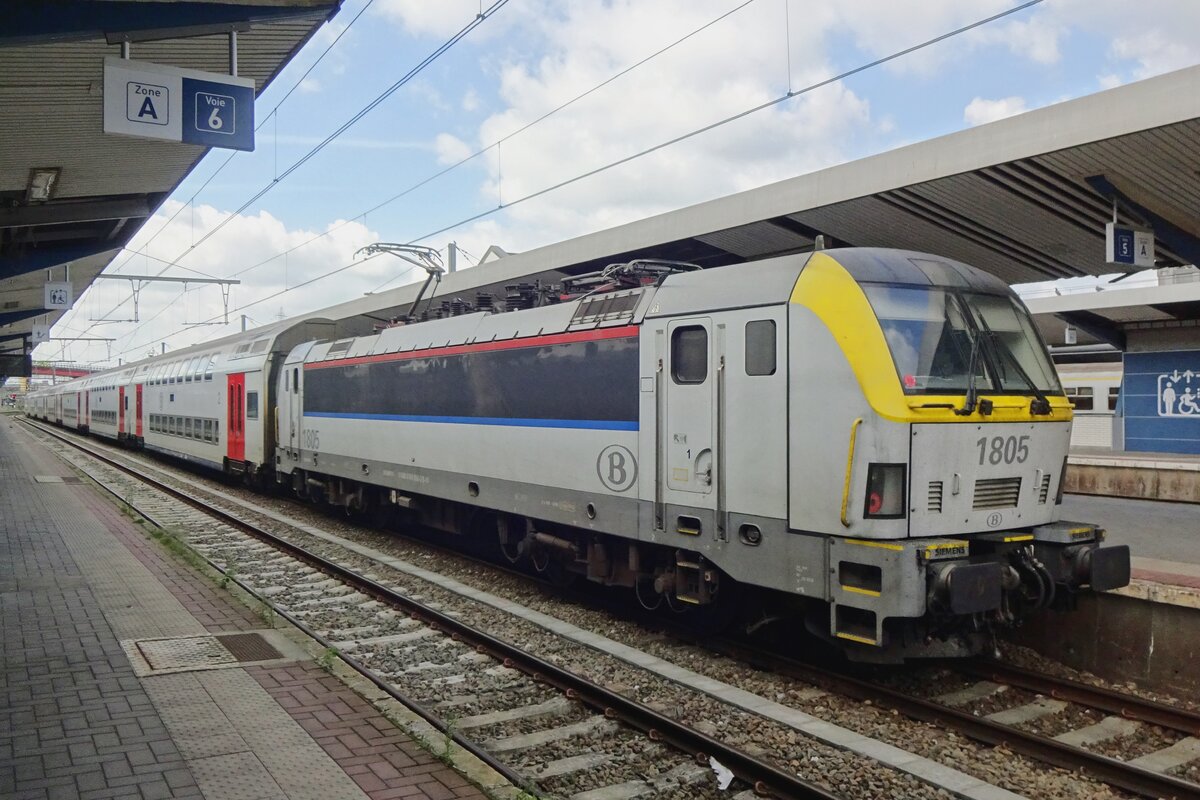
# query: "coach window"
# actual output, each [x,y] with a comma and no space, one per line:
[187,427]
[1113,393]
[212,363]
[760,347]
[689,354]
[1081,397]
[295,379]
[198,368]
[208,430]
[251,405]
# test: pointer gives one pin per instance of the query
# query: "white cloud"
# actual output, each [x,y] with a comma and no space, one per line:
[243,242]
[310,85]
[1109,81]
[1155,52]
[980,111]
[441,19]
[450,149]
[711,76]
[470,101]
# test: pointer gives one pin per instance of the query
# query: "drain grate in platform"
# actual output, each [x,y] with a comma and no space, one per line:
[249,647]
[212,651]
[57,479]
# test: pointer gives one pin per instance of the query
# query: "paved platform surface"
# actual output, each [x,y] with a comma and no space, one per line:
[80,585]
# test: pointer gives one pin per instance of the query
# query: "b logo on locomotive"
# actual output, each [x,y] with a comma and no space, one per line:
[617,468]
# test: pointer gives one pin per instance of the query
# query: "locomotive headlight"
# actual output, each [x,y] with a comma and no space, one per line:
[885,491]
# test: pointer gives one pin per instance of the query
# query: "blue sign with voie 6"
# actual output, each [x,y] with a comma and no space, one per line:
[218,114]
[1161,394]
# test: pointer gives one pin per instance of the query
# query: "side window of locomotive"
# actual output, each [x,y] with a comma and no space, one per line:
[760,347]
[1113,393]
[295,379]
[251,405]
[689,354]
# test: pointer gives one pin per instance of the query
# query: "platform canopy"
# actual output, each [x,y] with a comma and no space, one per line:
[1025,198]
[102,187]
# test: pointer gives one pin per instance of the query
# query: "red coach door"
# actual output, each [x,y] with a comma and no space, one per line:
[235,430]
[120,410]
[137,403]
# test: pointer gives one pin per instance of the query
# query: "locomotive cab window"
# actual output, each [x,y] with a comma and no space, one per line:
[251,405]
[689,354]
[760,347]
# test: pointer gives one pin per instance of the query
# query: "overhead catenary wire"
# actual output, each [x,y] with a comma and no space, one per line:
[475,22]
[190,203]
[669,142]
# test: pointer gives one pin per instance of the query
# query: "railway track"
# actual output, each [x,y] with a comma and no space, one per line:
[1122,715]
[528,718]
[315,607]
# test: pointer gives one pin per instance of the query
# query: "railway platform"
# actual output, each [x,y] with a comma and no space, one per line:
[1148,476]
[127,674]
[1149,631]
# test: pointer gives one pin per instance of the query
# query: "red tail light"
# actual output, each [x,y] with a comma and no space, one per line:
[886,495]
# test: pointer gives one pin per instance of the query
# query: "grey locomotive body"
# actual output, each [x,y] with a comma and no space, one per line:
[875,438]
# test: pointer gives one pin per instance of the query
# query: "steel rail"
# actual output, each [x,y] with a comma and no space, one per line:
[1112,771]
[1114,702]
[766,779]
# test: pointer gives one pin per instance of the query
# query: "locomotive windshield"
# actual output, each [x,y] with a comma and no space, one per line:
[938,337]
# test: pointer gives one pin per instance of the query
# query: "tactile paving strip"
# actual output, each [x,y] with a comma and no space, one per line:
[193,652]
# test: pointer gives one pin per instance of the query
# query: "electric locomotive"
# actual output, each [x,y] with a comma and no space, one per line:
[875,438]
[872,439]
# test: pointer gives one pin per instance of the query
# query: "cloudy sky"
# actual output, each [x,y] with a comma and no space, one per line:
[472,105]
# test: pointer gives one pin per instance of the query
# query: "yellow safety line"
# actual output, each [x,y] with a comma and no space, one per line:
[856,590]
[884,545]
[853,638]
[849,468]
[1024,538]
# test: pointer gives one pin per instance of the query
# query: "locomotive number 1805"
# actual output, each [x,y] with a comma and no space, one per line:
[1003,449]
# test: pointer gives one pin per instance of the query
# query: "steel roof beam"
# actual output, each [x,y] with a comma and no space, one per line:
[36,258]
[1185,244]
[61,212]
[1096,326]
[76,20]
[9,317]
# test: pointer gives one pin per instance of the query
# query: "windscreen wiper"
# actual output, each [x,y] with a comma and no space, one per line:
[972,398]
[1040,405]
[968,406]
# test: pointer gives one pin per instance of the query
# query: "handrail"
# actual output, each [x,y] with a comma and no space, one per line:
[849,469]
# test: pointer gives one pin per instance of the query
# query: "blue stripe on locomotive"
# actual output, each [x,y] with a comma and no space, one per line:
[590,424]
[589,384]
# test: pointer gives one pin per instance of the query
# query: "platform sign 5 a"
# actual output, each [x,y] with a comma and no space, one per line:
[180,105]
[1161,394]
[1126,245]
